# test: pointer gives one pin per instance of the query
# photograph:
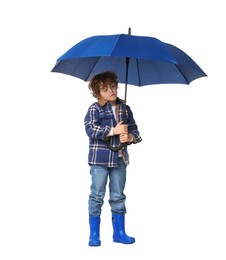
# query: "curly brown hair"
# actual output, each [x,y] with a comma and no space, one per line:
[102,78]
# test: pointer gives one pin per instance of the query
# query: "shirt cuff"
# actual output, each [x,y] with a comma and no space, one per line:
[111,133]
[131,138]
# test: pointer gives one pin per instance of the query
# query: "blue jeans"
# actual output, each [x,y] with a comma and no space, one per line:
[117,181]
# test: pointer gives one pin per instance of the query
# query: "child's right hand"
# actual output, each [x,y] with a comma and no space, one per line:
[120,128]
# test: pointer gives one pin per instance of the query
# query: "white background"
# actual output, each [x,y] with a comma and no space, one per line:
[176,179]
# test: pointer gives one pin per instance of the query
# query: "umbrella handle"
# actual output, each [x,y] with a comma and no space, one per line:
[117,148]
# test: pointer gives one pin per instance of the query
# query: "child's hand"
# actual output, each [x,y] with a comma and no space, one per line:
[125,138]
[120,128]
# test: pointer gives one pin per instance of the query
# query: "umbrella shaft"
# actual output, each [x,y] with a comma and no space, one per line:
[124,107]
[127,70]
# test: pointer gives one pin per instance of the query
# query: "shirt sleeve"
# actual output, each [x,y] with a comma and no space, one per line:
[132,127]
[93,126]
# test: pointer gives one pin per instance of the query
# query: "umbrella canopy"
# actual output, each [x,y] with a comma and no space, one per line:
[151,61]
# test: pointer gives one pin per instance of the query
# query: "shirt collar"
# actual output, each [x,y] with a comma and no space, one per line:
[103,101]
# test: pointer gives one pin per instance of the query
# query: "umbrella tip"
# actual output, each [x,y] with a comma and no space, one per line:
[129,31]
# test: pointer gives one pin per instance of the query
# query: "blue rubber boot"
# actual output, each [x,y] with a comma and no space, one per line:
[119,235]
[94,223]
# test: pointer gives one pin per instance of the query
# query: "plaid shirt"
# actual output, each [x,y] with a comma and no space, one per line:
[98,122]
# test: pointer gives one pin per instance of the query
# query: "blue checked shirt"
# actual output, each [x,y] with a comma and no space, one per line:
[98,122]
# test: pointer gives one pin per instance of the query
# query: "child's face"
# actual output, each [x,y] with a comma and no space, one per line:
[109,92]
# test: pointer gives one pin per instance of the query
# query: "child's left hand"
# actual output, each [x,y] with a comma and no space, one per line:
[125,138]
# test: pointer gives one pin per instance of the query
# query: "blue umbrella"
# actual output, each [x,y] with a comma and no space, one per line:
[137,60]
[150,60]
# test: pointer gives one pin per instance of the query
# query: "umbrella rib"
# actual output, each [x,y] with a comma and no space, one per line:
[182,74]
[138,72]
[87,77]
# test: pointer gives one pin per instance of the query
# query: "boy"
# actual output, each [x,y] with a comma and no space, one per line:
[107,130]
